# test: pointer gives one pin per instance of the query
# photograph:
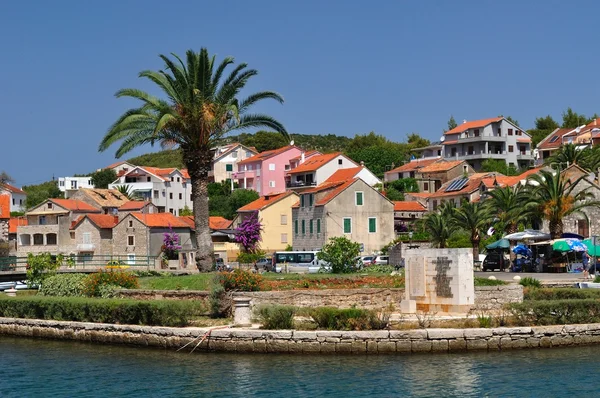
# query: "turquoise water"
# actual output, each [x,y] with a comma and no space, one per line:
[38,368]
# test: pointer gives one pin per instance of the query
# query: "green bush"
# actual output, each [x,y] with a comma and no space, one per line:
[485,321]
[347,319]
[93,284]
[216,300]
[530,282]
[379,269]
[148,273]
[65,285]
[556,312]
[276,316]
[79,309]
[488,282]
[561,294]
[240,280]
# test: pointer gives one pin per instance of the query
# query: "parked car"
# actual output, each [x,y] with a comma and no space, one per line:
[494,260]
[365,261]
[18,285]
[381,260]
[265,263]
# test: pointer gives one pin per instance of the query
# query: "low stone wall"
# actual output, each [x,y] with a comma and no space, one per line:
[286,341]
[493,298]
[487,298]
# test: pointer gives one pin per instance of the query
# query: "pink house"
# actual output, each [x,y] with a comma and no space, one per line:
[265,172]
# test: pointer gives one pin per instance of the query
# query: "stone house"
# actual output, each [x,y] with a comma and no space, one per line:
[4,217]
[13,223]
[48,226]
[92,234]
[137,206]
[406,213]
[222,236]
[350,208]
[408,170]
[17,197]
[107,200]
[275,215]
[431,177]
[142,235]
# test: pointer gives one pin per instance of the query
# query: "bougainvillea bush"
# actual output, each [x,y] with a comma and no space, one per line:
[171,245]
[248,234]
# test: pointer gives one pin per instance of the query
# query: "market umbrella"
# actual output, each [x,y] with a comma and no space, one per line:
[528,234]
[499,244]
[568,245]
[591,249]
[522,250]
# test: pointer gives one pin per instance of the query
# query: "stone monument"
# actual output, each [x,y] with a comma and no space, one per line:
[439,281]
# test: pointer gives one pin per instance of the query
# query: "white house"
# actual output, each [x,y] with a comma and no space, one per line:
[70,185]
[226,159]
[168,189]
[17,197]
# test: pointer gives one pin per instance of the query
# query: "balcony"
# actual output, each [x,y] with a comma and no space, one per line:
[86,247]
[525,155]
[482,138]
[477,155]
[246,174]
[300,184]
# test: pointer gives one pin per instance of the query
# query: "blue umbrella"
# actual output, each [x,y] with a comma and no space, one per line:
[569,245]
[522,250]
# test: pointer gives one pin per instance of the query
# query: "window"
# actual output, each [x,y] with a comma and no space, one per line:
[284,219]
[49,205]
[38,239]
[130,240]
[51,239]
[510,131]
[228,167]
[583,228]
[296,227]
[148,179]
[426,186]
[42,220]
[471,150]
[476,133]
[180,196]
[191,199]
[372,225]
[171,211]
[271,184]
[303,227]
[347,225]
[311,199]
[310,227]
[86,237]
[465,168]
[284,238]
[358,198]
[453,152]
[499,131]
[272,166]
[130,224]
[170,195]
[234,154]
[318,226]
[340,162]
[73,184]
[131,259]
[302,200]
[61,183]
[156,194]
[72,235]
[511,148]
[434,204]
[172,179]
[248,154]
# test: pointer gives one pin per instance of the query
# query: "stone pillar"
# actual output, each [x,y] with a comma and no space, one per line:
[241,311]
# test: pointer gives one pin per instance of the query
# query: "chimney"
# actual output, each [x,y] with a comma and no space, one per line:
[362,163]
[302,158]
[464,121]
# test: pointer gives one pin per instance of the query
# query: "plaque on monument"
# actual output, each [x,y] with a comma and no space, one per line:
[416,275]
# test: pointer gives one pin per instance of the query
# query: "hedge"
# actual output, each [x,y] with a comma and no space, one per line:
[79,309]
[347,319]
[561,294]
[556,312]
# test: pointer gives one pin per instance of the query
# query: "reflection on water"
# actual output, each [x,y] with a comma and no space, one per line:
[68,369]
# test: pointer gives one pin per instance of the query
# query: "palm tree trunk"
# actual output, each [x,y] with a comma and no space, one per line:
[198,163]
[475,243]
[556,228]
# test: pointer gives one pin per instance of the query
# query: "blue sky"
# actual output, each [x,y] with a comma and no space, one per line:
[344,67]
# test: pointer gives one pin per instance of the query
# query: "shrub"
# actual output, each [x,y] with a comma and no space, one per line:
[41,266]
[488,282]
[485,321]
[556,312]
[219,307]
[79,309]
[379,269]
[94,282]
[347,319]
[530,282]
[240,280]
[561,294]
[276,316]
[144,273]
[65,285]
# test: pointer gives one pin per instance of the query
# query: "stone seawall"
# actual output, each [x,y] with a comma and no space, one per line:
[487,298]
[325,342]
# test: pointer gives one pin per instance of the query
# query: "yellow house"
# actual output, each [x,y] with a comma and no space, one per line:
[275,215]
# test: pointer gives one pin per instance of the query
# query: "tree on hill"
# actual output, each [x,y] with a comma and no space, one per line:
[264,140]
[513,121]
[573,119]
[37,194]
[164,159]
[543,127]
[5,178]
[200,105]
[451,123]
[102,178]
[377,152]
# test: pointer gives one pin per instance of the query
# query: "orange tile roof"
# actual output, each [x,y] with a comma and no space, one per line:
[116,164]
[104,221]
[424,195]
[545,144]
[413,165]
[103,197]
[12,189]
[15,222]
[307,155]
[133,205]
[408,206]
[335,192]
[344,174]
[472,185]
[75,205]
[160,220]
[314,163]
[511,181]
[266,154]
[473,124]
[524,139]
[4,206]
[219,222]
[326,186]
[441,165]
[264,201]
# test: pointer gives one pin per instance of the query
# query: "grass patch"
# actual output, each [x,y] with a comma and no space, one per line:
[562,293]
[488,282]
[180,282]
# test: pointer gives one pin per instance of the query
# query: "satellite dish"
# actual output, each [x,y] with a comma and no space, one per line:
[491,231]
[442,139]
[578,129]
[292,142]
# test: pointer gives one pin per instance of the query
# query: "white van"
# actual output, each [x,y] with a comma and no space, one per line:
[299,262]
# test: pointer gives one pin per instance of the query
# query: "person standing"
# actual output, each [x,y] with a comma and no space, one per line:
[586,266]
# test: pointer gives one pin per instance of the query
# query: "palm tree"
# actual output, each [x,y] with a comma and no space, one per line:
[5,178]
[473,217]
[556,197]
[510,206]
[569,154]
[201,106]
[437,224]
[126,191]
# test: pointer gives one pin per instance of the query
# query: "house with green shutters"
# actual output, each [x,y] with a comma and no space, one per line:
[350,208]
